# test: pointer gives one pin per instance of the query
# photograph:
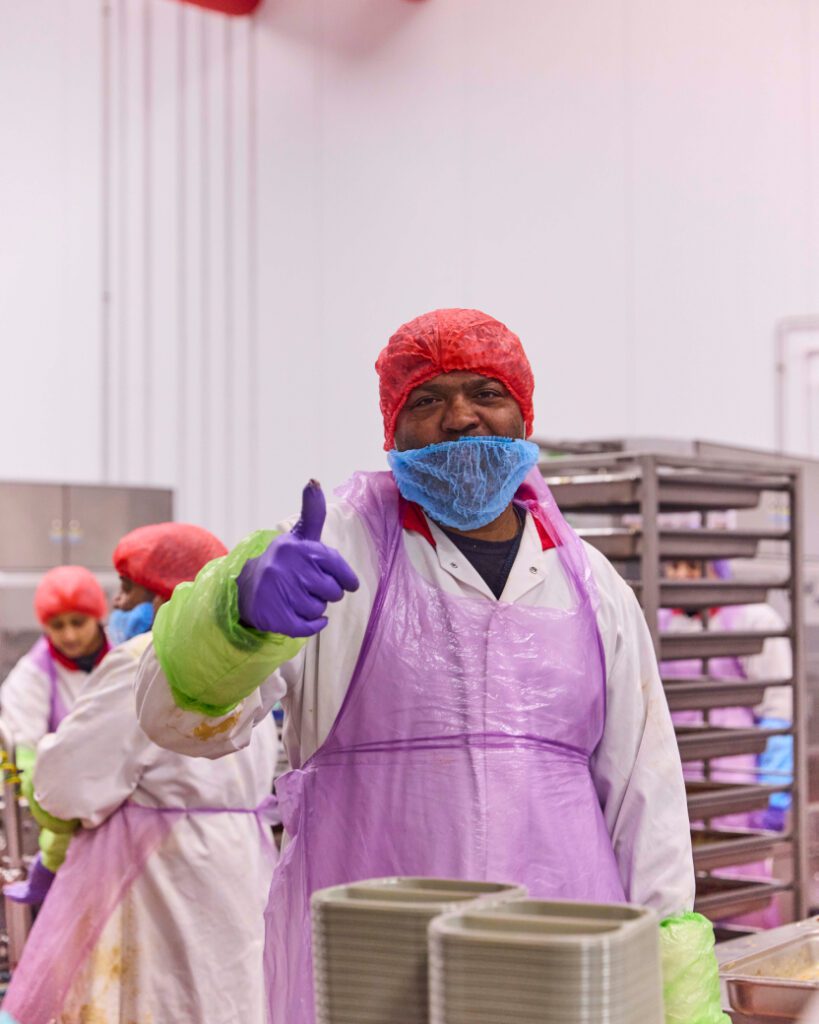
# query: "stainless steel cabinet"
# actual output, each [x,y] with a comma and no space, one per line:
[43,525]
[31,524]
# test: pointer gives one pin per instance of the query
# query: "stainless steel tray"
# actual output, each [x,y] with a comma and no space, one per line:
[697,742]
[692,596]
[729,897]
[775,983]
[701,694]
[624,543]
[714,799]
[675,646]
[677,492]
[723,848]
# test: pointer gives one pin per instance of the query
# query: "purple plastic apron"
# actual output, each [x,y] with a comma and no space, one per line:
[101,866]
[461,749]
[40,654]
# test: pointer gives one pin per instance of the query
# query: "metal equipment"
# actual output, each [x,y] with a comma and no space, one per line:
[614,498]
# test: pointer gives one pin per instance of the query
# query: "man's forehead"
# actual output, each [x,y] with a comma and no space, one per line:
[453,380]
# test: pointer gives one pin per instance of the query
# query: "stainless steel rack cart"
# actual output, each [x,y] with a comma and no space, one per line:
[617,500]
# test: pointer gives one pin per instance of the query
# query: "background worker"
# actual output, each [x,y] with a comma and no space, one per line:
[158,911]
[44,685]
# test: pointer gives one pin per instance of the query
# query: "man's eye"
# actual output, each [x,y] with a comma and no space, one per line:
[420,402]
[487,393]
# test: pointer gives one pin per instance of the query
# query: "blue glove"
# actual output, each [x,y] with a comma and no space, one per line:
[286,589]
[34,889]
[776,762]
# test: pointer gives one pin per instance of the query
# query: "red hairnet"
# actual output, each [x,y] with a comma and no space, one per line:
[161,555]
[444,341]
[69,588]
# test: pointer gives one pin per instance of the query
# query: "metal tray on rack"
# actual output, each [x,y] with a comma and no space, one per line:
[730,897]
[698,742]
[702,694]
[707,799]
[775,984]
[696,594]
[676,646]
[627,542]
[677,492]
[722,848]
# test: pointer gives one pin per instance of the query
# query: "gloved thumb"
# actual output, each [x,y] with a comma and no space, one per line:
[313,513]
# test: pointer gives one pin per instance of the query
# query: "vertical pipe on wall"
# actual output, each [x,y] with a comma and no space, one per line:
[147,426]
[105,243]
[228,147]
[205,432]
[122,325]
[183,370]
[254,512]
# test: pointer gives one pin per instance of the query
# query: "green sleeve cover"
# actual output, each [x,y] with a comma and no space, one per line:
[53,848]
[24,758]
[690,972]
[211,661]
[42,817]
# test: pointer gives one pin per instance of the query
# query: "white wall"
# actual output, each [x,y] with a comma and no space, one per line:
[631,184]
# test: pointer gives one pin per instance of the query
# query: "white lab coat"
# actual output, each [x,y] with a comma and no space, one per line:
[636,767]
[191,928]
[25,698]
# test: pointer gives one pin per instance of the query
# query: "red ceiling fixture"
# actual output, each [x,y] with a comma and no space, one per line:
[235,7]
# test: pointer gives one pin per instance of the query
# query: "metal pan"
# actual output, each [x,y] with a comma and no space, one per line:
[625,543]
[698,742]
[722,848]
[714,799]
[695,595]
[729,897]
[702,694]
[676,646]
[776,983]
[615,493]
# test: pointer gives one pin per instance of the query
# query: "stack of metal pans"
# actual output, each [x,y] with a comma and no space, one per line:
[370,945]
[538,962]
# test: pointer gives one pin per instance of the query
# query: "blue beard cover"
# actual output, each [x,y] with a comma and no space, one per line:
[124,625]
[464,484]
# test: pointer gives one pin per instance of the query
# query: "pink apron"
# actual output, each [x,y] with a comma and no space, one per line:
[41,656]
[462,748]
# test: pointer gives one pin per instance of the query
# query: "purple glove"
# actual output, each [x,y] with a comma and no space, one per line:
[286,589]
[34,889]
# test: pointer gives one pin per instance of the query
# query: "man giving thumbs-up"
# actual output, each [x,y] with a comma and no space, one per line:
[477,697]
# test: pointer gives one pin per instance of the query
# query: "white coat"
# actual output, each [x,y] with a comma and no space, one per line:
[191,927]
[25,698]
[636,767]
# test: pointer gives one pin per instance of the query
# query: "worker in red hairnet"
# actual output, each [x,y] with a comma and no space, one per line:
[44,685]
[157,913]
[469,690]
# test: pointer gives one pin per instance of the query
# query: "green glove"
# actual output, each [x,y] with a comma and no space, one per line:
[211,661]
[53,848]
[690,972]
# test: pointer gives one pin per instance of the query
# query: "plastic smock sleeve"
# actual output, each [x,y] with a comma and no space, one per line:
[691,988]
[636,767]
[210,660]
[53,843]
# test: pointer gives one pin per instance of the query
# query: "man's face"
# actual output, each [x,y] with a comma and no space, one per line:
[131,594]
[75,635]
[455,405]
